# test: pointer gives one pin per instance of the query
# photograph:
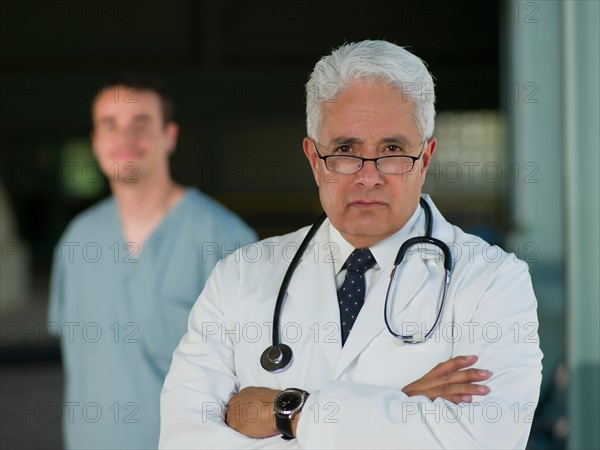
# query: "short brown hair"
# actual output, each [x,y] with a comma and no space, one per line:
[143,82]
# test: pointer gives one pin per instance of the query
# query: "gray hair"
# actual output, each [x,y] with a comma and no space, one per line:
[374,61]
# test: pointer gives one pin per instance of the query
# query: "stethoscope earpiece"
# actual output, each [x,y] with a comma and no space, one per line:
[276,358]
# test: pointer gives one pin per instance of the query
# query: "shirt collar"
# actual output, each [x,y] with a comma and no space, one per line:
[384,251]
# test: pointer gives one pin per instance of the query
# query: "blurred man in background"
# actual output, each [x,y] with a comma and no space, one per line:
[128,270]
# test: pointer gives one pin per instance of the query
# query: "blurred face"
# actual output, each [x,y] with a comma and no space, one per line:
[369,121]
[130,139]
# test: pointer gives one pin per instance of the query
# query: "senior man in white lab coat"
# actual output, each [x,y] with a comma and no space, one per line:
[474,381]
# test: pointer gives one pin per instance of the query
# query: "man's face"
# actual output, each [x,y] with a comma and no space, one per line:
[130,139]
[369,121]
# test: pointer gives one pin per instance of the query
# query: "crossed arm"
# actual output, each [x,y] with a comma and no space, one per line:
[452,380]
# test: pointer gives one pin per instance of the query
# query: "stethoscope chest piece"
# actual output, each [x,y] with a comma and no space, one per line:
[276,358]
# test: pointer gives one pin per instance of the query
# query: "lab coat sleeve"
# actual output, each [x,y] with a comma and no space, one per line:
[202,376]
[501,329]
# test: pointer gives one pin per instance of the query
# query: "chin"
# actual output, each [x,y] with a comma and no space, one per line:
[366,228]
[369,219]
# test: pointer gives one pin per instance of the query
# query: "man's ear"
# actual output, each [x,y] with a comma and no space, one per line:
[172,132]
[311,155]
[427,156]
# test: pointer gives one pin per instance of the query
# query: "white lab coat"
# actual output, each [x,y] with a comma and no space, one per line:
[356,399]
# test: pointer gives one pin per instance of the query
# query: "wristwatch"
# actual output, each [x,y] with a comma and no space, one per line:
[287,405]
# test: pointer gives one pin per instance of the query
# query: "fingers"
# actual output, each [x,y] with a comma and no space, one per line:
[452,380]
[465,376]
[451,372]
[454,364]
[433,380]
[457,393]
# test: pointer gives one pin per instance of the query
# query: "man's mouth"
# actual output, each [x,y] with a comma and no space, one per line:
[126,155]
[367,204]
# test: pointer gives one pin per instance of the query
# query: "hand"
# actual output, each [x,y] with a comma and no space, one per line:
[448,381]
[250,412]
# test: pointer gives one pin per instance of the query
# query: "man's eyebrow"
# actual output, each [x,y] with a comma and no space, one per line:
[399,139]
[106,120]
[345,140]
[142,118]
[110,120]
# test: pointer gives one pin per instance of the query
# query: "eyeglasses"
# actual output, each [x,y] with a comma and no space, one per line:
[393,165]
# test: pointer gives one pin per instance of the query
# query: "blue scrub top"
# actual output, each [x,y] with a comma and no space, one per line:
[120,312]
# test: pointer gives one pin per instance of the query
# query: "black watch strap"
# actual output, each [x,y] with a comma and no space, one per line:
[283,420]
[284,425]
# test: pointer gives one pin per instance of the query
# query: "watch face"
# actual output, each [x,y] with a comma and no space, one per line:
[288,402]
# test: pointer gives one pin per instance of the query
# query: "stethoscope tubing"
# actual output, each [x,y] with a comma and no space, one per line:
[278,356]
[289,273]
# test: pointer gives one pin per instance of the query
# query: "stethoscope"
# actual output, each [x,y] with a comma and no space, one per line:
[278,356]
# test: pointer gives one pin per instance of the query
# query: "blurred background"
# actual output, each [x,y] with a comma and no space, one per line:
[517,159]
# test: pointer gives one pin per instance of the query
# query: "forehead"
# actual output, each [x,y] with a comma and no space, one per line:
[122,102]
[369,111]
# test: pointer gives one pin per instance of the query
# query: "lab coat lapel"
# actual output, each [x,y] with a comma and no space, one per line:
[410,277]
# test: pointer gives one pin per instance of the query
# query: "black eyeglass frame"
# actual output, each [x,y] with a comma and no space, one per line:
[375,160]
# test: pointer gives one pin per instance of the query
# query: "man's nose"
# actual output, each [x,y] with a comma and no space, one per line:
[369,174]
[127,134]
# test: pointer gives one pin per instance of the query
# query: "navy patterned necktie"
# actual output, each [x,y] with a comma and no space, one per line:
[351,295]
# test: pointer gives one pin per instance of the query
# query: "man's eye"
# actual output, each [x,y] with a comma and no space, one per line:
[393,149]
[107,127]
[343,149]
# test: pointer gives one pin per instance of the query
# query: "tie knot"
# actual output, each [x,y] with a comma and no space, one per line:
[360,260]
